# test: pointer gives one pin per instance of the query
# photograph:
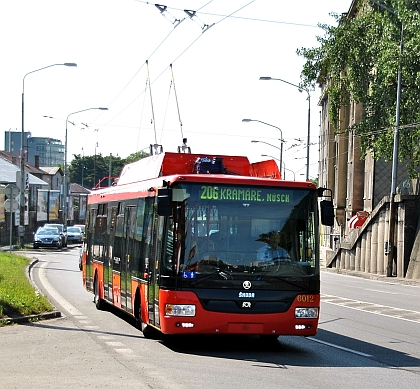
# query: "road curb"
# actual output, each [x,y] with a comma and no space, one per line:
[31,318]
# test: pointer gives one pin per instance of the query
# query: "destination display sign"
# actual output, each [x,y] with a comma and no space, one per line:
[215,192]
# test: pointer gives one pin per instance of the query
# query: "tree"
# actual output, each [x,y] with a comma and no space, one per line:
[359,60]
[136,156]
[87,171]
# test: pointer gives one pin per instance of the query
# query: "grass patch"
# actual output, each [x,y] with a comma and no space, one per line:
[17,295]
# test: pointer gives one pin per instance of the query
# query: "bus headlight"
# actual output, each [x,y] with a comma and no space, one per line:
[305,313]
[179,310]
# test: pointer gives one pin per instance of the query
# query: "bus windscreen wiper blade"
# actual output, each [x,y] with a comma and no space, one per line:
[223,275]
[289,282]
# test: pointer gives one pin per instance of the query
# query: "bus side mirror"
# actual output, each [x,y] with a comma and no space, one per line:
[327,212]
[164,202]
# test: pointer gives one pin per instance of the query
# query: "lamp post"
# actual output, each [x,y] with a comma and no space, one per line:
[392,210]
[278,148]
[309,117]
[284,166]
[65,190]
[22,155]
[281,135]
[294,175]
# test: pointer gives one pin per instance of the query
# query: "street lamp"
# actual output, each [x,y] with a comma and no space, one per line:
[284,166]
[22,156]
[278,148]
[309,117]
[65,207]
[267,124]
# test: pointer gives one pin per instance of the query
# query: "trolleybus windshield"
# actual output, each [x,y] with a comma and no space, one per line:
[231,232]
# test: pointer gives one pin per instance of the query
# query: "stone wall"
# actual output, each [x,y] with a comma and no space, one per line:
[365,249]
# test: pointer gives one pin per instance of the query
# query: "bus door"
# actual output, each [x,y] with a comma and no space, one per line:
[117,256]
[88,268]
[127,251]
[155,253]
[109,258]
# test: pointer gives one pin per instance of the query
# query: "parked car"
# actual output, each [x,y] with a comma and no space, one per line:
[47,237]
[82,227]
[74,234]
[62,229]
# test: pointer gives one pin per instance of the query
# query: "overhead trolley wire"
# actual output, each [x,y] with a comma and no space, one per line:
[234,17]
[172,62]
[134,76]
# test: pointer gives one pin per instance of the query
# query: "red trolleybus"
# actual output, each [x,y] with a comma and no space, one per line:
[203,244]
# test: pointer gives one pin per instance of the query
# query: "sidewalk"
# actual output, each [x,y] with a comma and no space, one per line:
[370,276]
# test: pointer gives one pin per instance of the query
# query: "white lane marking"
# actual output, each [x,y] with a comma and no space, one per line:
[106,337]
[115,344]
[70,309]
[125,351]
[376,309]
[378,291]
[340,347]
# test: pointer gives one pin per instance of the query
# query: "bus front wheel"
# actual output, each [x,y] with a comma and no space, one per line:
[148,332]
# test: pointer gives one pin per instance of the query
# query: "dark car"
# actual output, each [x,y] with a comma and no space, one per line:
[74,234]
[47,237]
[63,232]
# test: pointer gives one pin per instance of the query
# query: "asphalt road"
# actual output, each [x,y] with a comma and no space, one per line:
[369,337]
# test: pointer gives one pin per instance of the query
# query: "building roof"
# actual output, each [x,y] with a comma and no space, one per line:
[78,189]
[51,170]
[8,174]
[13,159]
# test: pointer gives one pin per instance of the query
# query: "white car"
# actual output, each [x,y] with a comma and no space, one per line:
[82,227]
[74,234]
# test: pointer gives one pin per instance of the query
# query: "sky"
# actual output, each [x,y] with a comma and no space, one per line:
[164,75]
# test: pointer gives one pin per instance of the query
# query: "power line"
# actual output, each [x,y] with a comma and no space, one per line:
[240,17]
[172,62]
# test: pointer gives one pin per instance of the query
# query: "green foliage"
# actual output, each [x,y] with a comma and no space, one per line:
[136,156]
[89,170]
[17,296]
[315,181]
[359,60]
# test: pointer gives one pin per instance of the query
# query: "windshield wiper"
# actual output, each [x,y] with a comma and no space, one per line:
[288,282]
[222,274]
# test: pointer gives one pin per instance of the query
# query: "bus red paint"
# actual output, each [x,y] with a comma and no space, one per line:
[207,244]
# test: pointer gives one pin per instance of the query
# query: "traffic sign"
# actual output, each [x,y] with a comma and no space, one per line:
[11,205]
[25,180]
[11,191]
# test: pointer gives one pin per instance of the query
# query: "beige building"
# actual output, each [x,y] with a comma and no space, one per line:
[361,186]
